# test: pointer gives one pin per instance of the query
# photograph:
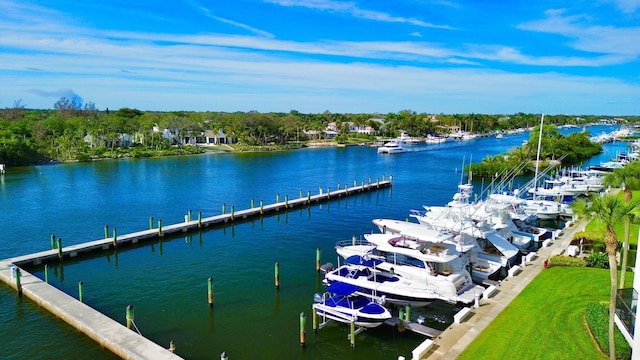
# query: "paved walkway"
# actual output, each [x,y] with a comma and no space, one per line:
[457,337]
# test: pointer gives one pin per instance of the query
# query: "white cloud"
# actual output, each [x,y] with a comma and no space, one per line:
[628,6]
[348,7]
[258,32]
[617,42]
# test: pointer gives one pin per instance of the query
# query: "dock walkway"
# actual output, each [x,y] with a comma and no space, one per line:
[110,333]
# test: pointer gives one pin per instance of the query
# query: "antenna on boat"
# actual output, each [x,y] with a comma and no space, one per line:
[470,173]
[535,184]
[462,172]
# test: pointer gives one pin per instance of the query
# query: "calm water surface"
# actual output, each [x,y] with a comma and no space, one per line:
[165,280]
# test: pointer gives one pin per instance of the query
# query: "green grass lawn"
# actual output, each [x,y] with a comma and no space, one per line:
[547,319]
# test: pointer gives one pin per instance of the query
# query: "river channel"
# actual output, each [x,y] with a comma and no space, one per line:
[166,280]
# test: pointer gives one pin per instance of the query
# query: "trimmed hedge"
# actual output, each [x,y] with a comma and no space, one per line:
[567,261]
[598,321]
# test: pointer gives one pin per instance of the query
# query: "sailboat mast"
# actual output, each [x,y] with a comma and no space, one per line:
[535,185]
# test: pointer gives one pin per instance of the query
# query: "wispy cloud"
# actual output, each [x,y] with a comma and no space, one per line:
[253,30]
[199,70]
[619,43]
[348,7]
[628,6]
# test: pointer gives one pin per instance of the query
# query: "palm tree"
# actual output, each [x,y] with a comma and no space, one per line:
[627,177]
[608,210]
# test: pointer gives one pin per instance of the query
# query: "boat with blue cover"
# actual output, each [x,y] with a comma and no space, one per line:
[343,303]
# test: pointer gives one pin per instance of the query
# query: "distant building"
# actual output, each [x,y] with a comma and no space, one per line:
[219,138]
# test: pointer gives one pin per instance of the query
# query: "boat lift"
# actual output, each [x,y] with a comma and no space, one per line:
[329,315]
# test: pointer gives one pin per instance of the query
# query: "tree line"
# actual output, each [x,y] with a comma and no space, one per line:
[30,136]
[555,148]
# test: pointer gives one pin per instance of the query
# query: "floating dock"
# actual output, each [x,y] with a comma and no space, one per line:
[107,332]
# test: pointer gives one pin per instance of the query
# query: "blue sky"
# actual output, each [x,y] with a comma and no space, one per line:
[442,56]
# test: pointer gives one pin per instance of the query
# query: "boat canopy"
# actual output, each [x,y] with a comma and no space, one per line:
[505,247]
[342,289]
[359,260]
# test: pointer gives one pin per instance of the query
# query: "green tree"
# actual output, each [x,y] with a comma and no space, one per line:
[629,178]
[608,210]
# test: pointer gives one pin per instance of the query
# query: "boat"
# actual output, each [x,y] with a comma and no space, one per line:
[432,139]
[482,267]
[342,303]
[406,139]
[572,184]
[406,271]
[391,147]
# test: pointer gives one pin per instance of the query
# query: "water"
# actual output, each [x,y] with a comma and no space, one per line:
[165,280]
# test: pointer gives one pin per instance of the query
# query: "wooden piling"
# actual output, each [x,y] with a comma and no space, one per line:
[106,231]
[224,209]
[190,213]
[352,333]
[53,241]
[160,228]
[59,248]
[199,219]
[46,273]
[18,284]
[318,259]
[210,291]
[151,223]
[261,206]
[115,237]
[81,291]
[302,333]
[129,316]
[277,275]
[315,320]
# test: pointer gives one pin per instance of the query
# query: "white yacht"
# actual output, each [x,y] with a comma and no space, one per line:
[406,271]
[391,147]
[482,266]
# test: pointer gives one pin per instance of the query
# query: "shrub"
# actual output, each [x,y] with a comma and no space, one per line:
[598,322]
[567,261]
[598,260]
[592,240]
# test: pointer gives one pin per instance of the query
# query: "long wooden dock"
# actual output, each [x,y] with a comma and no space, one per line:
[107,332]
[196,224]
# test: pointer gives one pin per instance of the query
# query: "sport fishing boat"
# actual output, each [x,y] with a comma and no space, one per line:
[342,303]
